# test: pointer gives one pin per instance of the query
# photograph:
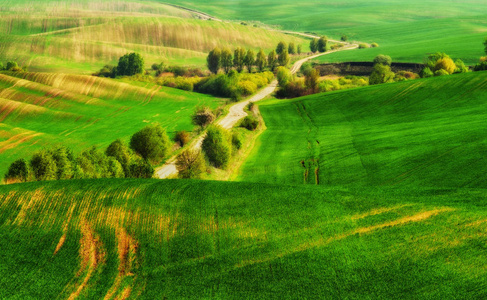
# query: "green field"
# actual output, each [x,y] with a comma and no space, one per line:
[406,30]
[153,239]
[48,109]
[83,36]
[428,132]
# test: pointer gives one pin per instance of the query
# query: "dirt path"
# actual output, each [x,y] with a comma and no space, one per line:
[237,113]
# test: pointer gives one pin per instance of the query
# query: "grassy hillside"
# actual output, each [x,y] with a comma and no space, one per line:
[406,30]
[82,36]
[419,133]
[46,109]
[184,239]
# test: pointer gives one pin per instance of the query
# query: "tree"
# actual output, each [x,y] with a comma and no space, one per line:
[213,61]
[18,171]
[226,60]
[64,160]
[216,146]
[299,49]
[383,60]
[284,58]
[93,164]
[460,66]
[313,45]
[291,48]
[322,44]
[344,38]
[239,59]
[190,164]
[311,80]
[249,60]
[432,59]
[151,142]
[203,116]
[284,76]
[426,73]
[381,74]
[140,168]
[12,65]
[114,168]
[485,45]
[121,152]
[261,60]
[281,47]
[446,64]
[43,166]
[130,64]
[272,60]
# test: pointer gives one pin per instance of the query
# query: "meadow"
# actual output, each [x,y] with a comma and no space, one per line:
[41,110]
[405,30]
[427,132]
[170,239]
[83,36]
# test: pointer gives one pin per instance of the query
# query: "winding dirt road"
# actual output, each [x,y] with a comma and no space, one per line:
[237,113]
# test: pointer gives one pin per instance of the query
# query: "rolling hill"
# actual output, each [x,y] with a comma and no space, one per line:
[428,132]
[170,239]
[40,110]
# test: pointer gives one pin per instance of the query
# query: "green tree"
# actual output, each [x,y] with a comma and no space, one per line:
[239,59]
[381,74]
[383,59]
[249,60]
[460,66]
[261,60]
[226,60]
[216,146]
[64,159]
[426,73]
[284,58]
[190,164]
[311,80]
[313,45]
[121,152]
[12,65]
[485,45]
[322,44]
[140,168]
[284,76]
[18,171]
[114,168]
[151,143]
[130,64]
[43,166]
[213,61]
[446,64]
[281,47]
[272,60]
[291,49]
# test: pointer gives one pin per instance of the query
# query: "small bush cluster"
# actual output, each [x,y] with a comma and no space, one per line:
[12,66]
[150,144]
[250,122]
[217,147]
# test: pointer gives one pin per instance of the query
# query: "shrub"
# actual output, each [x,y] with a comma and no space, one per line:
[121,152]
[247,87]
[151,142]
[217,147]
[482,66]
[284,76]
[12,65]
[107,71]
[291,49]
[311,80]
[141,169]
[130,64]
[1,66]
[441,72]
[250,122]
[426,73]
[292,90]
[460,67]
[114,168]
[237,141]
[43,166]
[190,164]
[383,59]
[344,38]
[182,138]
[374,45]
[363,46]
[93,164]
[281,47]
[405,75]
[203,116]
[445,64]
[381,74]
[18,171]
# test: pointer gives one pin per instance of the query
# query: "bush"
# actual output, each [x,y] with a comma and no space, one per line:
[43,166]
[237,141]
[141,169]
[284,76]
[203,116]
[383,59]
[151,142]
[121,152]
[12,65]
[441,72]
[190,164]
[216,146]
[18,171]
[426,73]
[114,169]
[363,46]
[107,71]
[292,90]
[405,75]
[381,74]
[460,67]
[482,66]
[93,164]
[445,64]
[182,138]
[374,45]
[247,87]
[250,122]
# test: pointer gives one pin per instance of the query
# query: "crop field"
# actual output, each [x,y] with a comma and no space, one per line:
[405,30]
[153,239]
[83,37]
[418,133]
[46,109]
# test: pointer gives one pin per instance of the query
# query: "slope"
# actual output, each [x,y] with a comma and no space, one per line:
[185,239]
[41,110]
[428,132]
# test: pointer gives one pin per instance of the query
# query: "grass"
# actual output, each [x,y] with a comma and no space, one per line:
[406,30]
[41,110]
[74,38]
[188,239]
[428,132]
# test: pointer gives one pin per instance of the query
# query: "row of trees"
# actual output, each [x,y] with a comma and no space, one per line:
[148,146]
[223,59]
[319,44]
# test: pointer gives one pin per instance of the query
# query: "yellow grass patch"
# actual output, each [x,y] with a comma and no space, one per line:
[378,211]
